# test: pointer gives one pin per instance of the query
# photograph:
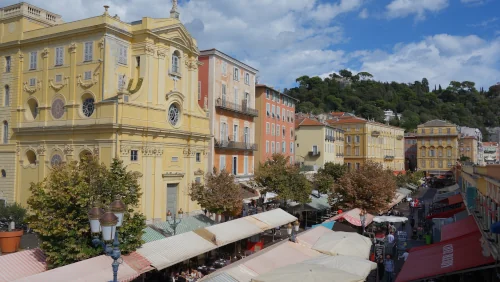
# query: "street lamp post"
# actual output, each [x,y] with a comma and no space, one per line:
[362,217]
[173,221]
[108,223]
[292,232]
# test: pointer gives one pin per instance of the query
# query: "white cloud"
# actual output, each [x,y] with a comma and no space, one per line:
[440,58]
[363,14]
[485,23]
[327,11]
[404,8]
[473,1]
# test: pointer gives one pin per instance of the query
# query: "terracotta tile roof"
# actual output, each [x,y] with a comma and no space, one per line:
[337,114]
[346,120]
[490,144]
[310,122]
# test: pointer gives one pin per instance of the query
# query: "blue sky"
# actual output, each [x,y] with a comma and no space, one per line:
[395,40]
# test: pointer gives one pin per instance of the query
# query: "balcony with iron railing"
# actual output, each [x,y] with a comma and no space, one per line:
[314,153]
[388,157]
[375,133]
[330,138]
[340,155]
[243,108]
[235,145]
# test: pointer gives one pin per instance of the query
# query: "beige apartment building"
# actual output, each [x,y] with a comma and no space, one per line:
[318,143]
[367,140]
[437,147]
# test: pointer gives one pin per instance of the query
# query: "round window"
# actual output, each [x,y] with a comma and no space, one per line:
[57,108]
[173,114]
[56,160]
[88,107]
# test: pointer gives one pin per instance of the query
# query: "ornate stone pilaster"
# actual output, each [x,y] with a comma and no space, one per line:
[68,150]
[45,53]
[72,48]
[40,150]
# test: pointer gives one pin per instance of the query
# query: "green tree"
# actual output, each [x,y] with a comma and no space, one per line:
[60,203]
[345,73]
[219,194]
[370,188]
[278,176]
[328,175]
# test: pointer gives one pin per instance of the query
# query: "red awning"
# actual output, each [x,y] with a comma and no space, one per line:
[459,228]
[455,199]
[447,214]
[444,257]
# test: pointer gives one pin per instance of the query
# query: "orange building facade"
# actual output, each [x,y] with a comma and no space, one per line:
[275,126]
[226,88]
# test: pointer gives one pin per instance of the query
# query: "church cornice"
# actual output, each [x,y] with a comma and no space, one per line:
[127,129]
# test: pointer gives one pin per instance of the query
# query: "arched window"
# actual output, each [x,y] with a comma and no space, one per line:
[6,100]
[176,62]
[32,109]
[31,157]
[5,132]
[85,155]
[4,173]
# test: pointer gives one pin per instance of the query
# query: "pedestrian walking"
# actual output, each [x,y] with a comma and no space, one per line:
[389,269]
[404,255]
[380,268]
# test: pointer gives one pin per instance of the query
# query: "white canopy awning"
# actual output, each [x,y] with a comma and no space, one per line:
[232,231]
[344,244]
[354,265]
[275,218]
[171,250]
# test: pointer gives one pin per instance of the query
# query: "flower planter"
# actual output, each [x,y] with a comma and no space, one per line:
[10,241]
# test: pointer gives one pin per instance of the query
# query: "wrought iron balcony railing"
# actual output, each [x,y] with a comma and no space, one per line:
[375,133]
[330,138]
[243,108]
[314,154]
[388,157]
[233,145]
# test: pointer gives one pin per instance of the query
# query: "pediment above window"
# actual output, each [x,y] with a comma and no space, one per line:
[175,95]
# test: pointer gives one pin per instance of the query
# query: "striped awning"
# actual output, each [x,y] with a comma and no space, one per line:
[21,264]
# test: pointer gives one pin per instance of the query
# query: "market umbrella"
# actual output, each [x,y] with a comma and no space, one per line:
[307,272]
[354,265]
[385,218]
[353,217]
[343,244]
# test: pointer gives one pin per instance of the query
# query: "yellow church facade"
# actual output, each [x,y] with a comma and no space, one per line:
[103,87]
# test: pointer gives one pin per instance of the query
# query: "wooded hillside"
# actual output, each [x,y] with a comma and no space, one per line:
[418,102]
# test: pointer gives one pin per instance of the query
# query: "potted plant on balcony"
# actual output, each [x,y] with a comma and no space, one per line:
[11,219]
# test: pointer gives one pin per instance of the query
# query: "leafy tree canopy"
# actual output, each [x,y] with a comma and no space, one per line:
[328,175]
[219,194]
[60,203]
[278,176]
[418,102]
[370,188]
